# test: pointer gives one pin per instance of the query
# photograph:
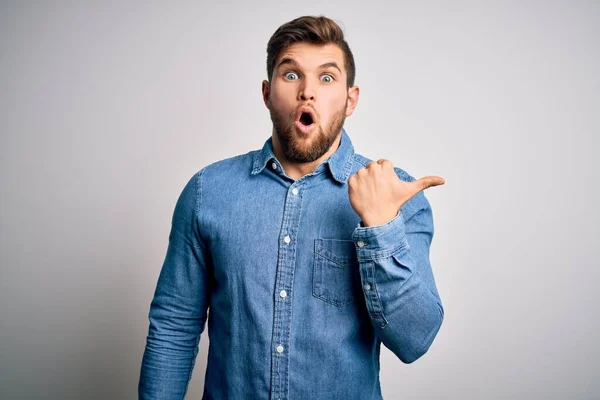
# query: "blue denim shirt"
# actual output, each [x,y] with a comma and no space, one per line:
[298,294]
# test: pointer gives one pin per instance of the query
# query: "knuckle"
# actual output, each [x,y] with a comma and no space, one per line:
[386,163]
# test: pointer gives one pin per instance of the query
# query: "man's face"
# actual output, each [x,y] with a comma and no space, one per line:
[308,100]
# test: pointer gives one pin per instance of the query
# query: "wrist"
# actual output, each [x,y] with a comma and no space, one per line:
[378,219]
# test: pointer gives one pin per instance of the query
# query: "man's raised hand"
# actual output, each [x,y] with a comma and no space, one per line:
[376,193]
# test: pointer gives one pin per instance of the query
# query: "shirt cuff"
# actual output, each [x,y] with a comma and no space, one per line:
[380,241]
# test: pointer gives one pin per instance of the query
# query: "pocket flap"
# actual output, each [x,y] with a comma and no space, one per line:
[341,252]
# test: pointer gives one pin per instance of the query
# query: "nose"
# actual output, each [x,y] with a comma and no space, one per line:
[307,91]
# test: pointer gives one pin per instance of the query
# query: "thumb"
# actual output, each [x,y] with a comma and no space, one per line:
[427,182]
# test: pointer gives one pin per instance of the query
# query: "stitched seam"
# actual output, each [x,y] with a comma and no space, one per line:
[359,161]
[383,254]
[348,166]
[320,254]
[378,315]
[195,354]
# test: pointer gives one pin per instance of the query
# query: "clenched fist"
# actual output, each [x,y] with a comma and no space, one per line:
[376,193]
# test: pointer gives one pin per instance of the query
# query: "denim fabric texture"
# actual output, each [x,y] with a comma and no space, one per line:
[298,294]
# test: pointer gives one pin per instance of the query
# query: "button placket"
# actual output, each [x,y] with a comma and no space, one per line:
[284,286]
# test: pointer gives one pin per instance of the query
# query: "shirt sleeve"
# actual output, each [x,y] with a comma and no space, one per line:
[179,307]
[398,284]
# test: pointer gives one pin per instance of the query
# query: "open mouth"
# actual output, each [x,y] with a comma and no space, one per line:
[306,119]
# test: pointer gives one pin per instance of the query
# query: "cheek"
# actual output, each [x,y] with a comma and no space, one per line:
[281,100]
[334,104]
[282,92]
[279,106]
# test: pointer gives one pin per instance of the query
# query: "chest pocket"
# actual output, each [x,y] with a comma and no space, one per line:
[336,275]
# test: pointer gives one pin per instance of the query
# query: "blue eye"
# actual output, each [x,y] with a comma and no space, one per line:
[291,76]
[327,79]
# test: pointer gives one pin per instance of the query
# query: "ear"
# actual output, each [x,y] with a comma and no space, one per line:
[266,92]
[352,100]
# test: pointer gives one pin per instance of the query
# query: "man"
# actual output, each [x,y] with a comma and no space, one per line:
[308,255]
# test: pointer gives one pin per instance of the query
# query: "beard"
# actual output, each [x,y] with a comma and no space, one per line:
[305,151]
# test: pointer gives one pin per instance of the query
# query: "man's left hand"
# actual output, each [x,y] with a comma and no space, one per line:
[376,193]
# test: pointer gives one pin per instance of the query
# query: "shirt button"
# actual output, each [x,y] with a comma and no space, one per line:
[274,166]
[283,294]
[367,286]
[360,243]
[295,191]
[280,349]
[287,239]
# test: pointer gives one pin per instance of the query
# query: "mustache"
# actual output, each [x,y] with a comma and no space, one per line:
[294,113]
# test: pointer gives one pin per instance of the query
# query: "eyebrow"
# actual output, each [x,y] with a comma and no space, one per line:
[290,61]
[330,65]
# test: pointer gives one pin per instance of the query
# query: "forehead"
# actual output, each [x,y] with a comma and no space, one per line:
[311,56]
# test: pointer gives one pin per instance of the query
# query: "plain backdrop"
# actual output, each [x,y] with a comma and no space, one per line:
[108,108]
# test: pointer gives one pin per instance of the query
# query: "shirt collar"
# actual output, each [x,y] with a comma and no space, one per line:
[263,156]
[340,162]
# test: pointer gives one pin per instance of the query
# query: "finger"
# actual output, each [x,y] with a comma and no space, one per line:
[351,179]
[385,163]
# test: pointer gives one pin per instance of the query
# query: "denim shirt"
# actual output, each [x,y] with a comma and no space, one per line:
[298,294]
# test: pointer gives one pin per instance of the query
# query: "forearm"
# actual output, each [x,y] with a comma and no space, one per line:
[171,349]
[405,313]
[398,286]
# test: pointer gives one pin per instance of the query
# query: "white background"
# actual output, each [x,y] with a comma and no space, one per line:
[108,109]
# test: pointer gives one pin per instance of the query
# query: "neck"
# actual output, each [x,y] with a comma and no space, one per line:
[297,170]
